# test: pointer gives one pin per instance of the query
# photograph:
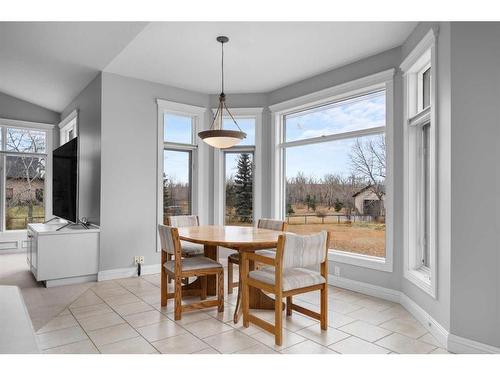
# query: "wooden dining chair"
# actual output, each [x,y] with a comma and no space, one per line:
[179,268]
[189,249]
[287,274]
[234,258]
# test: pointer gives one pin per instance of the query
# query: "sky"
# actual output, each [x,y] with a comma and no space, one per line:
[313,160]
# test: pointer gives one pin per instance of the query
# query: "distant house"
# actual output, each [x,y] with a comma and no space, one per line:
[367,202]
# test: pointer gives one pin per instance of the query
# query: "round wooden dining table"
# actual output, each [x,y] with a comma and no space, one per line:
[235,238]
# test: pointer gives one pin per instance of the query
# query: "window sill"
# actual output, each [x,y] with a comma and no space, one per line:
[422,279]
[366,261]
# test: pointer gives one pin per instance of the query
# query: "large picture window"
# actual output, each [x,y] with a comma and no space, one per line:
[23,161]
[334,160]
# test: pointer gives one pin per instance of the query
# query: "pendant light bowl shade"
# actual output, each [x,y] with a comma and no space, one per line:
[222,138]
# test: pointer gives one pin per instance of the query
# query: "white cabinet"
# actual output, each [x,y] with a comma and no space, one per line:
[65,256]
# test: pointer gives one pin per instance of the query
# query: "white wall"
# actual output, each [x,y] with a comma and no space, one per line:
[17,109]
[88,104]
[129,171]
[475,176]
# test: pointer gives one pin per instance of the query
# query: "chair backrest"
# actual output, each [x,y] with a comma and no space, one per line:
[271,224]
[304,251]
[169,239]
[183,221]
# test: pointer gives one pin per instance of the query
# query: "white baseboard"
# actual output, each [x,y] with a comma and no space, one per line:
[365,288]
[70,280]
[121,273]
[457,344]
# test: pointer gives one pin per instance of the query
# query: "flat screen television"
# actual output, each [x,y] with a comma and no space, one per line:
[65,181]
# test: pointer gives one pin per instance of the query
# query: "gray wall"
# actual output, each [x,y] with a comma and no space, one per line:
[129,171]
[475,175]
[88,104]
[16,109]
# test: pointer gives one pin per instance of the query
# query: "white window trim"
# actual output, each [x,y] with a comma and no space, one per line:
[422,56]
[66,125]
[48,128]
[381,80]
[199,184]
[219,166]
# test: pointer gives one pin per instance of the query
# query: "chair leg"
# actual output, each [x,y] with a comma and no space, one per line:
[278,320]
[169,278]
[178,299]
[230,285]
[163,282]
[203,282]
[220,293]
[324,308]
[245,291]
[289,306]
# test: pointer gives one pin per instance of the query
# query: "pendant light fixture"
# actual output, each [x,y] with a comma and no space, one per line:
[216,136]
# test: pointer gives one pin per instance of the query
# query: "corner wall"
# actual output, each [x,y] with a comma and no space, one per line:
[16,109]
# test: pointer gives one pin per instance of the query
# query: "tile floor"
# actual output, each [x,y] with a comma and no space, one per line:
[125,316]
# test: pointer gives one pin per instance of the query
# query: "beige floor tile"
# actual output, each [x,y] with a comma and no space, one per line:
[251,330]
[336,319]
[225,316]
[151,298]
[308,347]
[59,322]
[123,299]
[328,337]
[209,327]
[440,351]
[88,311]
[207,351]
[296,322]
[112,292]
[376,304]
[429,339]
[408,328]
[145,318]
[87,299]
[65,312]
[133,308]
[231,341]
[112,334]
[182,344]
[404,345]
[343,307]
[80,347]
[354,345]
[365,331]
[60,337]
[190,317]
[289,339]
[161,330]
[100,321]
[136,345]
[257,349]
[371,316]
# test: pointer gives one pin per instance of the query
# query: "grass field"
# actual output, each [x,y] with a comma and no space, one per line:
[16,216]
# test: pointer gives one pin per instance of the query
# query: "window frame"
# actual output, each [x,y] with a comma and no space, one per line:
[196,148]
[69,123]
[416,239]
[220,168]
[47,156]
[378,81]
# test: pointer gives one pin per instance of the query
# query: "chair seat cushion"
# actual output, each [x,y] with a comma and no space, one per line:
[192,264]
[269,253]
[191,249]
[293,278]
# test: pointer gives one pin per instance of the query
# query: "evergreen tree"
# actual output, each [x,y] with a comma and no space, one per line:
[243,184]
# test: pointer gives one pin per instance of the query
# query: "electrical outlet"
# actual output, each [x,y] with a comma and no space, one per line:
[137,260]
[336,270]
[141,259]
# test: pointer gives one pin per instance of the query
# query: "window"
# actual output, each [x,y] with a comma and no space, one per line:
[182,162]
[338,185]
[420,156]
[239,175]
[23,160]
[177,165]
[68,128]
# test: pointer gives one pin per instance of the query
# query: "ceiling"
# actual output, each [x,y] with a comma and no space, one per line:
[50,63]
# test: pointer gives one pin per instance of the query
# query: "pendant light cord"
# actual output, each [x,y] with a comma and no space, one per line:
[222,66]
